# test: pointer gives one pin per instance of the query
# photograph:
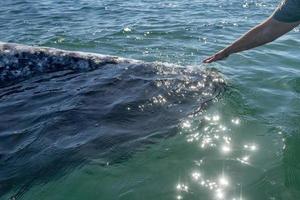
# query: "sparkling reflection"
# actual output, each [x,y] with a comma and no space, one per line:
[186,124]
[225,149]
[182,187]
[179,197]
[217,187]
[223,181]
[236,121]
[215,136]
[196,175]
[250,147]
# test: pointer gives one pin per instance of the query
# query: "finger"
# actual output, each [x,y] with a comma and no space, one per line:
[208,60]
[205,61]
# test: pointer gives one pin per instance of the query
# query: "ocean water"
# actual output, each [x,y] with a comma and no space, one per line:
[142,132]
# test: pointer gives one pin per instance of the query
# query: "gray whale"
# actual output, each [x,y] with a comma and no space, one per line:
[63,109]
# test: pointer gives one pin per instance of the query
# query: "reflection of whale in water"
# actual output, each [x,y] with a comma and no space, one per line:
[85,106]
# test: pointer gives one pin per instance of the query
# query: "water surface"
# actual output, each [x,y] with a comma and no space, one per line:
[245,145]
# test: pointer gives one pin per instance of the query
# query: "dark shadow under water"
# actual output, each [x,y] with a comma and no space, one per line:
[57,121]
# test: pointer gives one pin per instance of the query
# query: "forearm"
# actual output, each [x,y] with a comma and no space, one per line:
[255,37]
[263,33]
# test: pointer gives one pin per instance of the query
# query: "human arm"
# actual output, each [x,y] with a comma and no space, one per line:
[266,32]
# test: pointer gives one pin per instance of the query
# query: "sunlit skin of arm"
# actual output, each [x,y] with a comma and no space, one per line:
[266,32]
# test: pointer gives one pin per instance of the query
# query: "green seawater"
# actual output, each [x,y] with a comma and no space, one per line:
[248,145]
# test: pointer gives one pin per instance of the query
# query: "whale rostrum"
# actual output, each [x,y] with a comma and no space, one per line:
[21,61]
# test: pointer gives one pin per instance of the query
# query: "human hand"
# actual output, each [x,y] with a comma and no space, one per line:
[218,56]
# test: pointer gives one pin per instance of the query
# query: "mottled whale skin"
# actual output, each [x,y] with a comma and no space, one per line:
[18,61]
